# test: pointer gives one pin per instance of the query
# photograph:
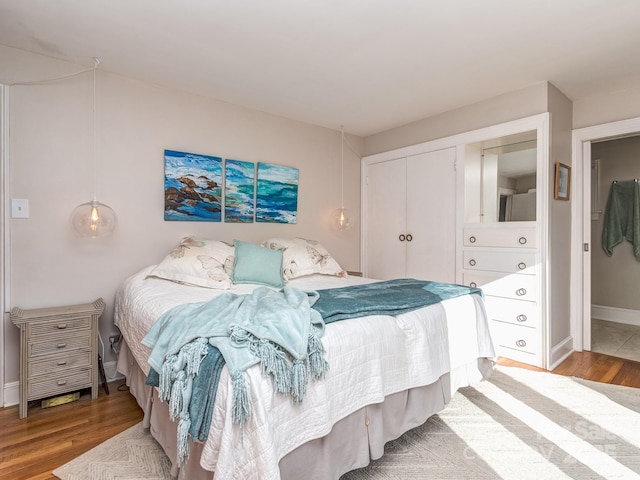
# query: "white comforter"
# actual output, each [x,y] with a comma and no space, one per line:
[369,357]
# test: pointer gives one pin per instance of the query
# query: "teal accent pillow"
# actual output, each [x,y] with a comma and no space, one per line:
[256,264]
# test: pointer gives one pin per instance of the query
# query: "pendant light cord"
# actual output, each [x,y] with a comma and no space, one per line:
[96,62]
[342,169]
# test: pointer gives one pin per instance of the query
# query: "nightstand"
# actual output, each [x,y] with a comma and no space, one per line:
[58,350]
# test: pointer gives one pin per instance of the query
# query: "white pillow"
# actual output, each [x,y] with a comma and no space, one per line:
[205,263]
[304,257]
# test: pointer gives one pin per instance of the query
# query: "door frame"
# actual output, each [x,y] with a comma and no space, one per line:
[4,228]
[581,222]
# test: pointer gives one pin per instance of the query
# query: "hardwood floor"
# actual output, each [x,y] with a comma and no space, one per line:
[47,438]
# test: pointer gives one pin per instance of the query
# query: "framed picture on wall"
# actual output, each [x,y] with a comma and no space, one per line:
[563,182]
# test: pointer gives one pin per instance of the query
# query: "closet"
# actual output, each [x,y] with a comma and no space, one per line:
[469,209]
[409,217]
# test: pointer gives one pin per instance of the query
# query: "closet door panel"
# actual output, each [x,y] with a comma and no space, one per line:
[385,219]
[431,216]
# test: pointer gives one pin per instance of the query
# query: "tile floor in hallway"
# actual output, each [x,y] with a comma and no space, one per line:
[616,339]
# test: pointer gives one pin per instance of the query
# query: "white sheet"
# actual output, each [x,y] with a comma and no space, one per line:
[369,358]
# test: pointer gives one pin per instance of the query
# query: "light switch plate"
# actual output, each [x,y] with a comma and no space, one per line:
[19,208]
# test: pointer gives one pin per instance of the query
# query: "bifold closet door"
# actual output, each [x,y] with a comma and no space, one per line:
[431,216]
[385,219]
[410,217]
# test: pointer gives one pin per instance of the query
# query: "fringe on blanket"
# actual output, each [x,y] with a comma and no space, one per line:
[289,376]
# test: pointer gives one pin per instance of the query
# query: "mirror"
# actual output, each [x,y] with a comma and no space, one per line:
[500,179]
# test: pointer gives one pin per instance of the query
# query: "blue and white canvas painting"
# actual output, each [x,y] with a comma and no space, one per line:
[239,185]
[192,187]
[277,194]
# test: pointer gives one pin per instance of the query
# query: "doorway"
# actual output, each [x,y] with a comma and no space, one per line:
[582,242]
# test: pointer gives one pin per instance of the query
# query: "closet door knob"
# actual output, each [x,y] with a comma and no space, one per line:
[521,343]
[472,239]
[522,240]
[521,318]
[521,291]
[409,237]
[402,237]
[522,265]
[472,262]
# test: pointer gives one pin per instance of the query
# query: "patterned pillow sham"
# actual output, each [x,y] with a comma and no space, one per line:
[304,257]
[200,262]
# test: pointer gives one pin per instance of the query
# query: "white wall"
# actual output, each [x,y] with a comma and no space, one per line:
[606,107]
[51,166]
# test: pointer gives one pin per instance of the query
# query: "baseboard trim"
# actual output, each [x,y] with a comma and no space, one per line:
[560,352]
[11,394]
[615,314]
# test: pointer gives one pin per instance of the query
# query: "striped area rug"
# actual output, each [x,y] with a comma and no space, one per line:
[519,424]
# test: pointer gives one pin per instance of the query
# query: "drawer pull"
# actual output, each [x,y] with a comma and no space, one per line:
[521,318]
[522,265]
[472,262]
[522,240]
[409,237]
[61,345]
[61,326]
[402,237]
[473,284]
[521,343]
[472,239]
[62,362]
[521,291]
[62,382]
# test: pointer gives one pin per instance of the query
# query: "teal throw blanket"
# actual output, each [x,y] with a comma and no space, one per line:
[391,297]
[277,329]
[622,217]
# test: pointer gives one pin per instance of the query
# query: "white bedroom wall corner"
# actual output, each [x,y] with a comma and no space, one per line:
[4,229]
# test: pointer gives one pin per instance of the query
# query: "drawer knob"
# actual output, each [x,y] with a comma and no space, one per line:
[62,382]
[521,291]
[521,343]
[62,362]
[521,318]
[409,237]
[522,265]
[402,237]
[61,345]
[473,284]
[472,262]
[61,326]
[472,239]
[522,240]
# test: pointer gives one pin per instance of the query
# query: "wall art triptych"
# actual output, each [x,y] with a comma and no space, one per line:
[193,190]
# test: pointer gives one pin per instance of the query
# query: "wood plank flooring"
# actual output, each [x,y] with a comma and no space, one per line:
[31,448]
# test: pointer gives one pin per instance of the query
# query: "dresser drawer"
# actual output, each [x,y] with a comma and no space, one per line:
[51,327]
[515,338]
[516,286]
[518,312]
[79,340]
[500,261]
[62,383]
[501,236]
[59,363]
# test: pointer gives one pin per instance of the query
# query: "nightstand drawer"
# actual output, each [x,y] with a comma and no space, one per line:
[53,365]
[60,384]
[51,327]
[65,343]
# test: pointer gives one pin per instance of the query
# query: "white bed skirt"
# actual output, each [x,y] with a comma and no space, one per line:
[352,443]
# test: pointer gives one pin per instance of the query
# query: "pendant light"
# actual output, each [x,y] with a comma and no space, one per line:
[94,219]
[341,220]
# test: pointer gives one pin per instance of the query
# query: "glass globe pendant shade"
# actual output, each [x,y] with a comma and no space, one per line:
[93,219]
[341,219]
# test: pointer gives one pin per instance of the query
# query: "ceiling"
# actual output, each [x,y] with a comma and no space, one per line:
[369,65]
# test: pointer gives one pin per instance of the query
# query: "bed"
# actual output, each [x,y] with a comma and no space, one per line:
[387,374]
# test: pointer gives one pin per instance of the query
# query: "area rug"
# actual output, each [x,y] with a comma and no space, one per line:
[519,424]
